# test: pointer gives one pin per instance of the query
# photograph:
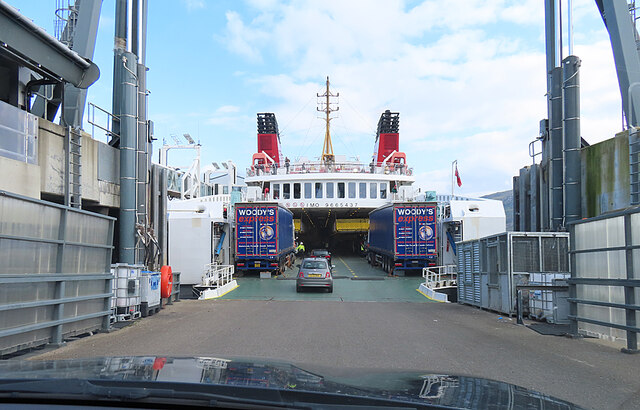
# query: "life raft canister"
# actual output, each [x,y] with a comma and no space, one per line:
[166,281]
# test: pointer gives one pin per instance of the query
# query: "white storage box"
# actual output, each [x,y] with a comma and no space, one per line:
[127,279]
[150,288]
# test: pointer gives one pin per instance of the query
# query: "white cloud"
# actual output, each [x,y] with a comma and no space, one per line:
[228,120]
[524,12]
[194,4]
[241,39]
[263,4]
[228,109]
[228,115]
[600,103]
[468,79]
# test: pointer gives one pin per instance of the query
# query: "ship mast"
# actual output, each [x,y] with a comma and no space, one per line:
[325,107]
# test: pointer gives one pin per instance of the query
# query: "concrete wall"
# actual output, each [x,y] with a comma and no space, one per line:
[20,178]
[47,177]
[51,157]
[51,160]
[605,176]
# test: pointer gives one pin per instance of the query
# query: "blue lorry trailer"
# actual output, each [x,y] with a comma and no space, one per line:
[264,236]
[402,236]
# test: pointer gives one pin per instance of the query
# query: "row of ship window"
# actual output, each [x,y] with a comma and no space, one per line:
[330,190]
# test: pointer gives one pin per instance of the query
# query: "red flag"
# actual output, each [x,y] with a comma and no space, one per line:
[458,177]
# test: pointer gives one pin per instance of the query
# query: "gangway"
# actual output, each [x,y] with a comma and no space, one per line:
[440,282]
[439,277]
[216,281]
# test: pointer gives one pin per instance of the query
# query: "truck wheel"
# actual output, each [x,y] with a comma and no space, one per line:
[298,289]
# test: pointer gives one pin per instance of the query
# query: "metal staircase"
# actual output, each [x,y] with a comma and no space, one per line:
[73,191]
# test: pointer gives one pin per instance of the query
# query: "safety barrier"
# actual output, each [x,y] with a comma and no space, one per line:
[349,168]
[55,280]
[604,289]
[175,290]
[217,280]
[440,276]
[217,275]
[63,309]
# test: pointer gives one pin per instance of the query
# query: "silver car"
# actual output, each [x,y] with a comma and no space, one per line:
[314,273]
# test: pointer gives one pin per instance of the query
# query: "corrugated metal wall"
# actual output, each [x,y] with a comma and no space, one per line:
[606,261]
[55,278]
[490,268]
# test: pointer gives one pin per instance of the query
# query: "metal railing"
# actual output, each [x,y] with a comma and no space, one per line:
[215,276]
[108,120]
[345,168]
[175,290]
[609,291]
[51,331]
[440,276]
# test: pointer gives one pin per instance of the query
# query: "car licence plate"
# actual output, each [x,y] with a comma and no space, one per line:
[315,275]
[257,264]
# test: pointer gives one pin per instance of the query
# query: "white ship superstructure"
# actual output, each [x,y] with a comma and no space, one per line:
[331,196]
[312,184]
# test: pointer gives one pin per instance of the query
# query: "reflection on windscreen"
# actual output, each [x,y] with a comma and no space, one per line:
[314,265]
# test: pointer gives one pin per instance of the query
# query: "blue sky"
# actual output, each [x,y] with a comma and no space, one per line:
[467,78]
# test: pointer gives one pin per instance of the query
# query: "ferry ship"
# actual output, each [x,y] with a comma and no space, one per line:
[330,197]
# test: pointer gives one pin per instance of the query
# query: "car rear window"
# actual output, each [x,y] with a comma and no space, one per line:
[320,252]
[314,265]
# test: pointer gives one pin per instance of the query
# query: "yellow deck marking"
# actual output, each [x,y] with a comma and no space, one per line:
[348,267]
[219,296]
[435,300]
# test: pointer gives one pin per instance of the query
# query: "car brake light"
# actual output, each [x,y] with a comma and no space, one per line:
[327,275]
[273,264]
[240,264]
[398,264]
[301,274]
[327,256]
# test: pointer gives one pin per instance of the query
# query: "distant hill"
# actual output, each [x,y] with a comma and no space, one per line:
[507,201]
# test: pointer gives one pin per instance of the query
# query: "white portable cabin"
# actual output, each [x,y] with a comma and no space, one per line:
[465,220]
[196,229]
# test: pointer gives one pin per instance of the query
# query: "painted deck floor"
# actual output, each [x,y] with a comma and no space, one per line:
[354,281]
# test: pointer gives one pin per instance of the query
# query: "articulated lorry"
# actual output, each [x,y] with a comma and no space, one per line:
[264,237]
[402,236]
